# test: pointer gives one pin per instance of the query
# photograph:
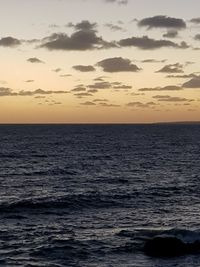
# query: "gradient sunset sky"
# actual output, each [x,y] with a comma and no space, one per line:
[99,61]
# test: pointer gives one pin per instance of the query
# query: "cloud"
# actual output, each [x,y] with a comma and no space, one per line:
[140,104]
[162,22]
[88,103]
[84,25]
[29,81]
[100,85]
[193,83]
[79,88]
[65,75]
[114,27]
[4,91]
[81,40]
[57,70]
[153,61]
[195,20]
[146,43]
[171,34]
[197,37]
[83,68]
[9,42]
[120,2]
[9,92]
[80,95]
[122,86]
[165,88]
[34,60]
[167,98]
[107,105]
[184,76]
[172,68]
[117,64]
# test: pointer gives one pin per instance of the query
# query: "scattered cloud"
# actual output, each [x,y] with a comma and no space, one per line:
[9,42]
[171,34]
[34,60]
[80,95]
[88,103]
[57,70]
[162,22]
[85,38]
[100,85]
[146,43]
[84,25]
[138,104]
[167,98]
[118,64]
[165,88]
[195,20]
[29,81]
[172,68]
[153,61]
[120,2]
[193,83]
[197,37]
[114,27]
[9,92]
[83,68]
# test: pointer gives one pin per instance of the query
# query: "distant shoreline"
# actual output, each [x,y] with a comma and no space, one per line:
[103,123]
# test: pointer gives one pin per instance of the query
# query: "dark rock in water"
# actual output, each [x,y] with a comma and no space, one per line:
[170,247]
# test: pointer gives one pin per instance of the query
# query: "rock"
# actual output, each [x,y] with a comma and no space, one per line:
[170,247]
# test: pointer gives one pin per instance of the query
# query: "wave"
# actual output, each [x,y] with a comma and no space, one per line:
[71,201]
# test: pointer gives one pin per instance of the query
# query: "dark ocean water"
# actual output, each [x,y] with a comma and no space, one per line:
[91,195]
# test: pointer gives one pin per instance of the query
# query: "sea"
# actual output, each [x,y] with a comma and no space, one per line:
[92,195]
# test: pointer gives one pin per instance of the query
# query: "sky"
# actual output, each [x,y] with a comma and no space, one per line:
[99,61]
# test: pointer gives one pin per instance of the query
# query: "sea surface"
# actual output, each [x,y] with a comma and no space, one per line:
[91,195]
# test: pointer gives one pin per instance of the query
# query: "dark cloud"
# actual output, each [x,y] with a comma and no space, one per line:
[140,104]
[57,70]
[167,98]
[9,42]
[114,27]
[197,37]
[79,88]
[195,20]
[4,91]
[29,81]
[80,40]
[100,85]
[9,92]
[117,64]
[172,68]
[100,100]
[165,88]
[88,103]
[162,22]
[120,2]
[93,91]
[84,25]
[80,95]
[35,60]
[122,86]
[83,68]
[146,43]
[184,76]
[153,61]
[40,92]
[108,105]
[65,75]
[193,83]
[171,34]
